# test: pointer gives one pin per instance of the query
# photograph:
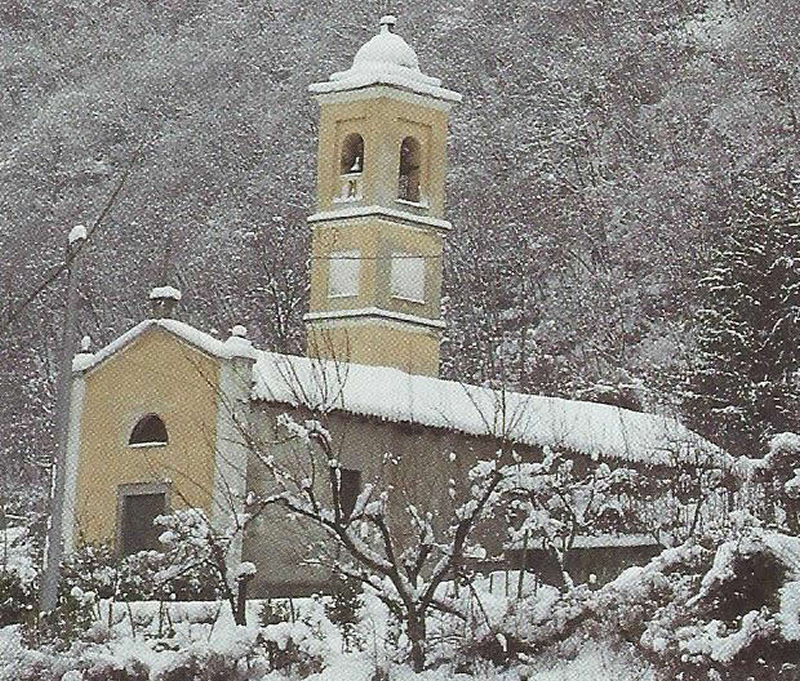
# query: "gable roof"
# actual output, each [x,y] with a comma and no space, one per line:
[596,430]
[233,347]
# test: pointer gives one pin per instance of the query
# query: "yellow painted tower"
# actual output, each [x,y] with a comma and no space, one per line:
[376,271]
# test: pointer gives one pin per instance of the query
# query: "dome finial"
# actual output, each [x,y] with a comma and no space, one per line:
[387,23]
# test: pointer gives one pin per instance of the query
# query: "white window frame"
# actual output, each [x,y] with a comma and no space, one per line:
[344,271]
[408,277]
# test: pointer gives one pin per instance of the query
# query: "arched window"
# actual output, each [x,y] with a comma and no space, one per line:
[352,154]
[150,430]
[352,163]
[410,165]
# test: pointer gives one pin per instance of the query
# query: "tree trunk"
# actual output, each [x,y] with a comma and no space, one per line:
[416,634]
[240,612]
[792,510]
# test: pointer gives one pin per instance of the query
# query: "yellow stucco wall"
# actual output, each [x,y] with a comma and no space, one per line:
[378,343]
[156,373]
[376,239]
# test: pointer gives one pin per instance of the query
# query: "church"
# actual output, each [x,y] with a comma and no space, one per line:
[168,416]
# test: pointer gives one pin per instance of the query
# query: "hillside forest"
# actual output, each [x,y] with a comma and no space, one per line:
[622,180]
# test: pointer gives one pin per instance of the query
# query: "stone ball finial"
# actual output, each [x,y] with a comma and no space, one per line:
[77,233]
[239,331]
[86,343]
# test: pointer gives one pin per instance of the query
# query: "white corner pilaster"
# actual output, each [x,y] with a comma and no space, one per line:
[72,460]
[231,448]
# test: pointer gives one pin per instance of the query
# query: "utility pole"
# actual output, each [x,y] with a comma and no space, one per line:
[69,341]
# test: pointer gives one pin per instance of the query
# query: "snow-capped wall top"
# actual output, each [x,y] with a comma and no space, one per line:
[386,59]
[597,430]
[213,346]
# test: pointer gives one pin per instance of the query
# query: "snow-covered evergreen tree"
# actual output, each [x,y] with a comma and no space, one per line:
[743,387]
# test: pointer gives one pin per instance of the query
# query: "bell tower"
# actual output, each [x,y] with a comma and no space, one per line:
[376,270]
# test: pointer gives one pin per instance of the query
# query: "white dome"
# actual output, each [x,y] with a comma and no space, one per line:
[385,59]
[386,48]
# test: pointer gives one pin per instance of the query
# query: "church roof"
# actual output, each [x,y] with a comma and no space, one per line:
[386,59]
[235,346]
[596,430]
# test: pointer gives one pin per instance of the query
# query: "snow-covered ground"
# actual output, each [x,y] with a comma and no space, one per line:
[725,602]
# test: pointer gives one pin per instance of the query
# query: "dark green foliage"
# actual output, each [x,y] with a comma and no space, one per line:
[273,612]
[204,666]
[343,607]
[135,670]
[17,600]
[744,386]
[66,623]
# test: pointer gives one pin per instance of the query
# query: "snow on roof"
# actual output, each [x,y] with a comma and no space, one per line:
[386,59]
[233,347]
[597,430]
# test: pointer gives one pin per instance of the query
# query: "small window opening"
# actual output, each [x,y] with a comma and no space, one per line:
[344,273]
[352,154]
[352,163]
[410,164]
[150,430]
[349,489]
[408,277]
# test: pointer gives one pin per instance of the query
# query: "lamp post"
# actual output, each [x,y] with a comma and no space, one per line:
[55,540]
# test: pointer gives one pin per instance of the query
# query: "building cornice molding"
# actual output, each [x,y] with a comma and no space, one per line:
[380,211]
[373,314]
[385,86]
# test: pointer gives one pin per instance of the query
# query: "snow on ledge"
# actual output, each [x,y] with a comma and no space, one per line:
[161,292]
[357,79]
[596,430]
[380,211]
[226,350]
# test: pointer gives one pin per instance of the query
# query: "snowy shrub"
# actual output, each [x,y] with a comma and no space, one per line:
[343,607]
[91,567]
[779,473]
[69,621]
[151,575]
[17,598]
[273,612]
[550,503]
[203,665]
[739,618]
[300,646]
[18,573]
[105,670]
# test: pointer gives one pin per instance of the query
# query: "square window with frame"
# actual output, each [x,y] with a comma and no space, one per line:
[408,277]
[343,275]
